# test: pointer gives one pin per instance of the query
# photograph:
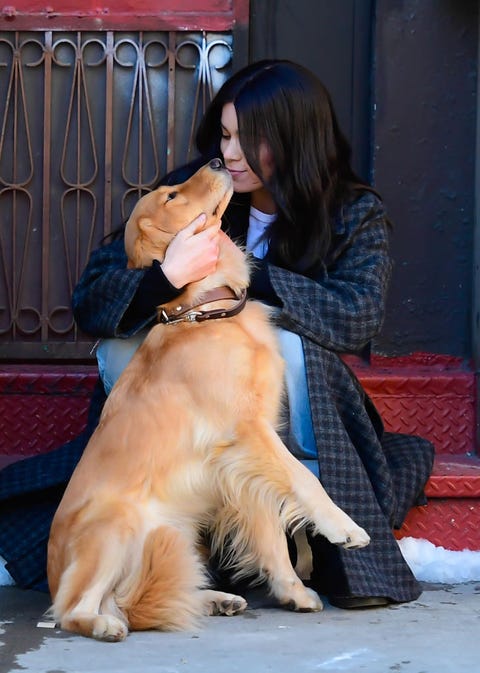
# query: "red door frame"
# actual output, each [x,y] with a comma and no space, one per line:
[211,15]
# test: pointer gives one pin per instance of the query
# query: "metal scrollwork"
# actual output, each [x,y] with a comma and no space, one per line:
[88,123]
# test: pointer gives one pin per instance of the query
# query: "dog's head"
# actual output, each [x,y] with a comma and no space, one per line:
[159,215]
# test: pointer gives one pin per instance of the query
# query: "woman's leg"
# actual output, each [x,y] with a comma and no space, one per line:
[301,440]
[113,355]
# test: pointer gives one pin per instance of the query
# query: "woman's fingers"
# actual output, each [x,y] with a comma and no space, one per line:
[193,253]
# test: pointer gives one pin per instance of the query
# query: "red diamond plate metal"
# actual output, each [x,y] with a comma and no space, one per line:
[454,477]
[76,380]
[41,407]
[434,403]
[447,422]
[453,523]
[39,423]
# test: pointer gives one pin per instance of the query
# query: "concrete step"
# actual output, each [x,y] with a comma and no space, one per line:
[42,406]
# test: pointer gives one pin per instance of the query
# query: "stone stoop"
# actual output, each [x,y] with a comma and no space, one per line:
[42,406]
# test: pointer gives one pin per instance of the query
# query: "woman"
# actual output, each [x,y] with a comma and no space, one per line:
[320,238]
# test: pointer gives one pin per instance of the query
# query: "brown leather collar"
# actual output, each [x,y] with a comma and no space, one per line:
[191,313]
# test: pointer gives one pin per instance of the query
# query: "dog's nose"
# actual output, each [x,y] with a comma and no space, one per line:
[216,164]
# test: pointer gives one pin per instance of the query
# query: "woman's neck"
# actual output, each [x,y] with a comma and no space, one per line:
[263,201]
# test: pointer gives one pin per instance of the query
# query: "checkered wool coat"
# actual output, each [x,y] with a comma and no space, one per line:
[374,476]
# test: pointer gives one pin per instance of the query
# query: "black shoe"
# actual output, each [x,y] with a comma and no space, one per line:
[355,602]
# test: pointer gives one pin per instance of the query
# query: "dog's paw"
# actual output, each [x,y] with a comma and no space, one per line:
[221,603]
[306,600]
[109,628]
[353,538]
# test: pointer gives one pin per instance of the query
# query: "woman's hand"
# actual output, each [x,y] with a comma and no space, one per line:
[193,253]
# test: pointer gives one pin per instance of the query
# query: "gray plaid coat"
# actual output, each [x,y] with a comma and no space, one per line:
[375,476]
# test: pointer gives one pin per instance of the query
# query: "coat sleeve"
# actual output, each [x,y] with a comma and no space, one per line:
[104,293]
[342,309]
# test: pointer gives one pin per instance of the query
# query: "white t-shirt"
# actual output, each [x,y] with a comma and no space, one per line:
[257,242]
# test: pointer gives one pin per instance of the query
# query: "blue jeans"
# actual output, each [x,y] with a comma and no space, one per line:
[113,355]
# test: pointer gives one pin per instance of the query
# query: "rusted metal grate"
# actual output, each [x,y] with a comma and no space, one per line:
[89,121]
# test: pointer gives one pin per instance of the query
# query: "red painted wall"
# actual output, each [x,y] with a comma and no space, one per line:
[212,15]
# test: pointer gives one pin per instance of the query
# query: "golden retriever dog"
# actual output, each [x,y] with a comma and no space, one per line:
[187,443]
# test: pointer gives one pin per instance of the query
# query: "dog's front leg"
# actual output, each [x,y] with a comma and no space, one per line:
[269,491]
[301,489]
[255,487]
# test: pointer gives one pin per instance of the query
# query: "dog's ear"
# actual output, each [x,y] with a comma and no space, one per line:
[134,233]
[144,223]
[135,257]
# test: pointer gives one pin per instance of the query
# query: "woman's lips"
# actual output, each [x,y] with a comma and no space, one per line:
[236,175]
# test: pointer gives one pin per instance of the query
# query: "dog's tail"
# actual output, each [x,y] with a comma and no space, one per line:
[167,594]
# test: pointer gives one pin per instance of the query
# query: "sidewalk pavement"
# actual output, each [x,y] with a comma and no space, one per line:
[438,633]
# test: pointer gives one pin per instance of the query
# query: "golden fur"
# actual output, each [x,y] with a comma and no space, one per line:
[186,443]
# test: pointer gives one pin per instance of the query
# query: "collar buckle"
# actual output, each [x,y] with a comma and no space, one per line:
[165,319]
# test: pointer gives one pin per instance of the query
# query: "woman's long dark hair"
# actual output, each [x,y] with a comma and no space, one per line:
[285,106]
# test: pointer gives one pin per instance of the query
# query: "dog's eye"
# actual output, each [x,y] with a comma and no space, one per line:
[171,196]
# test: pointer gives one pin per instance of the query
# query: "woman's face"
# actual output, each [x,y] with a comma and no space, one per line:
[244,179]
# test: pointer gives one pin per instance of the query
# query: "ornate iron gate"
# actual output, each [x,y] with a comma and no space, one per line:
[89,122]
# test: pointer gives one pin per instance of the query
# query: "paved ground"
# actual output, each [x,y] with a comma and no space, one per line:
[439,633]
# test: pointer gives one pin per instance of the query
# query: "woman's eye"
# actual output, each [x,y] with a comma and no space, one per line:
[171,196]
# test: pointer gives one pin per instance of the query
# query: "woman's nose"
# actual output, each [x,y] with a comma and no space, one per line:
[231,149]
